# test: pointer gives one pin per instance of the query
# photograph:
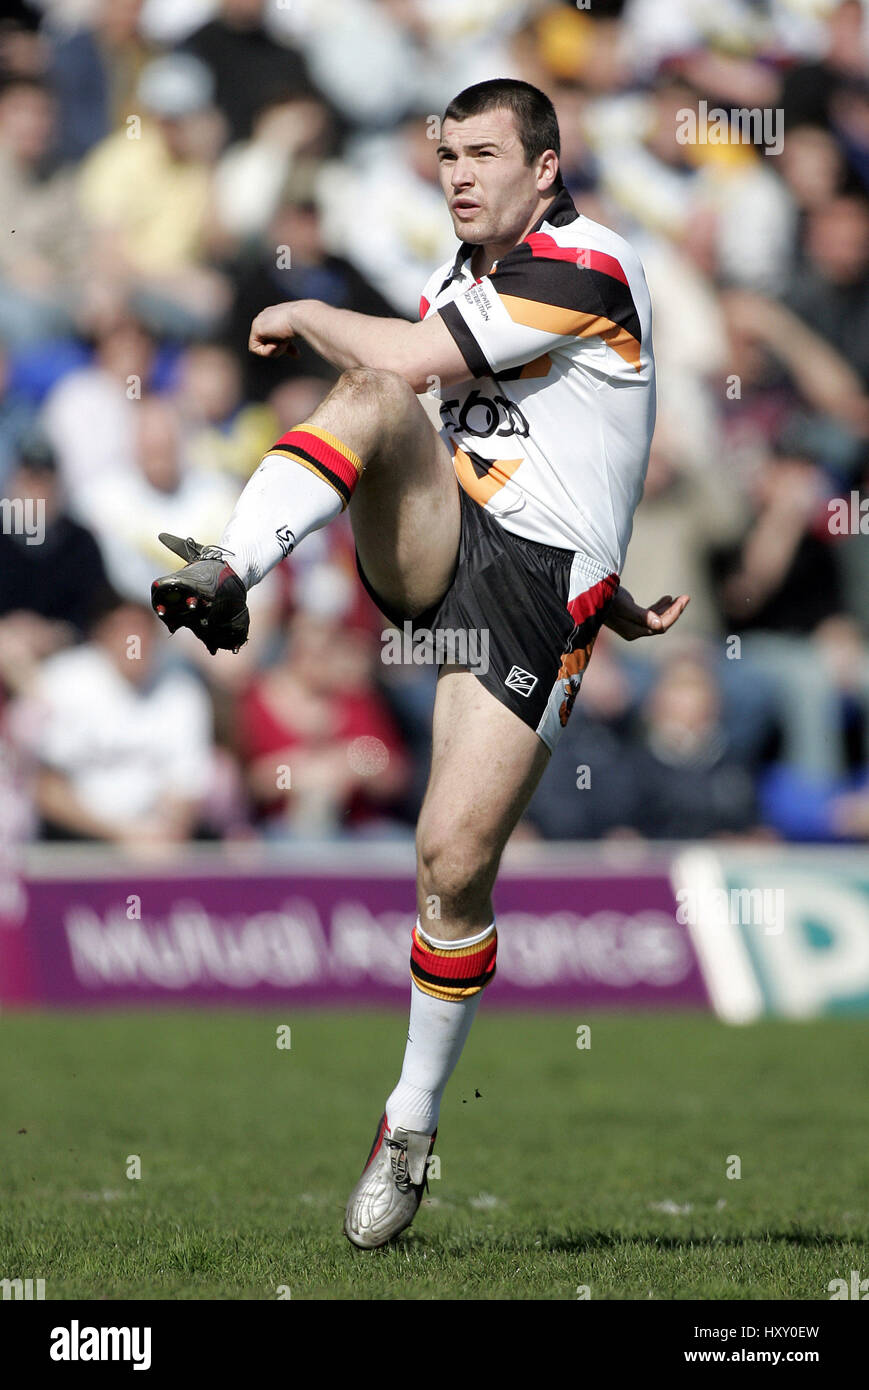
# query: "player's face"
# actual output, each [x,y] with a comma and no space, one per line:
[490,190]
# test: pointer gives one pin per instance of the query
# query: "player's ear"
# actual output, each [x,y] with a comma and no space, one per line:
[547,171]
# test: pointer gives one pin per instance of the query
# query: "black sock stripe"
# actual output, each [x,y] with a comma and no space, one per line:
[448,982]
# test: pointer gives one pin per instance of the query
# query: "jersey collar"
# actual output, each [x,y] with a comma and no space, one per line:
[559,213]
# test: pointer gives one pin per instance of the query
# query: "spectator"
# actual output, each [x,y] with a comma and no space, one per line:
[250,70]
[689,784]
[366,57]
[292,262]
[321,751]
[784,577]
[289,141]
[721,201]
[223,432]
[399,252]
[146,191]
[689,511]
[89,415]
[50,568]
[122,748]
[160,493]
[779,587]
[780,368]
[831,291]
[813,167]
[93,72]
[809,88]
[39,268]
[659,762]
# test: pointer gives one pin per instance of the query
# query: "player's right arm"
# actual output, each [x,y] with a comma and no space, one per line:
[415,351]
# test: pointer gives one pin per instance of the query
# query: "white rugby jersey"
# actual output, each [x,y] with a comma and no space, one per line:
[552,432]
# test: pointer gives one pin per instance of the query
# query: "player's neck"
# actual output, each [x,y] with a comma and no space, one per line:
[484,257]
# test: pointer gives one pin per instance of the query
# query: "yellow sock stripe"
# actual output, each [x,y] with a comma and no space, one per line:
[448,994]
[445,989]
[334,443]
[461,951]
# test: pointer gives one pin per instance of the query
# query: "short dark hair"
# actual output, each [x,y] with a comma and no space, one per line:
[534,113]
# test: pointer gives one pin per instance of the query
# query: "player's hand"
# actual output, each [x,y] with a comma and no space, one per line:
[272,333]
[630,620]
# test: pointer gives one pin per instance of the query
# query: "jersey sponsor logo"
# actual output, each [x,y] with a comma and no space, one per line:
[482,416]
[479,299]
[523,682]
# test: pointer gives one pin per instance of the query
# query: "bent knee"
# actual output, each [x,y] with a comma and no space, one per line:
[376,384]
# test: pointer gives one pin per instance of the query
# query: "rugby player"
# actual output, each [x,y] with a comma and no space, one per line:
[512,520]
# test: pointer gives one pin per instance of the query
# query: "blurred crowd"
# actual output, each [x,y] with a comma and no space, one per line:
[170,167]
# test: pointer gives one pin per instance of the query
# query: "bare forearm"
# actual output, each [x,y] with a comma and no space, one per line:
[347,339]
[418,352]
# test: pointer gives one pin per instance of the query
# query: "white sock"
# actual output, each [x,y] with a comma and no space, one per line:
[437,1032]
[281,504]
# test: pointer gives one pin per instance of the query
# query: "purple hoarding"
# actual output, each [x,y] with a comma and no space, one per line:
[133,936]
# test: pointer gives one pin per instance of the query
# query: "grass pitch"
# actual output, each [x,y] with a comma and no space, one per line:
[561,1169]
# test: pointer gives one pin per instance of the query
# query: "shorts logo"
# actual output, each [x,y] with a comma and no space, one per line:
[521,681]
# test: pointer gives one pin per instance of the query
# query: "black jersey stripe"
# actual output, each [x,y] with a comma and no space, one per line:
[567,286]
[465,340]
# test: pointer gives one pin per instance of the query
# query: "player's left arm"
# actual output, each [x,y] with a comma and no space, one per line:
[631,620]
[416,351]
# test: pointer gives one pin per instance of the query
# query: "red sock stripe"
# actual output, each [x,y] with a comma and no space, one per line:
[454,967]
[332,465]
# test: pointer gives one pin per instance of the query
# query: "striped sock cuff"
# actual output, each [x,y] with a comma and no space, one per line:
[323,454]
[453,973]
